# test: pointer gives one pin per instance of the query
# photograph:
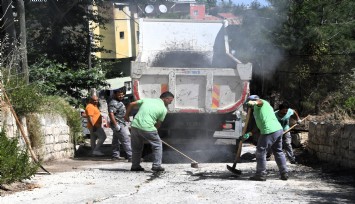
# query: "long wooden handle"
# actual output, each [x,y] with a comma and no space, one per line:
[243,132]
[27,141]
[289,129]
[179,152]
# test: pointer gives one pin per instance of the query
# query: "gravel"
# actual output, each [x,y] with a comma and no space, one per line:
[93,180]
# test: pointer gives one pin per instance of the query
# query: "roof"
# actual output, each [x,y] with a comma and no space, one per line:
[209,17]
[227,15]
[231,18]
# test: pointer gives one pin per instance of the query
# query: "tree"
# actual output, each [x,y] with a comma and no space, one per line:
[61,45]
[23,38]
[319,39]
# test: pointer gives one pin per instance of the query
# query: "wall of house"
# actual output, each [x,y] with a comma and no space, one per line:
[120,32]
[333,143]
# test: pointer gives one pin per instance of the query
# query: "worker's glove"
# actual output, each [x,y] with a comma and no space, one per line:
[117,127]
[126,118]
[299,122]
[252,103]
[245,136]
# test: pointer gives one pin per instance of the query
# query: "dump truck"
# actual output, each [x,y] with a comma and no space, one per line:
[191,59]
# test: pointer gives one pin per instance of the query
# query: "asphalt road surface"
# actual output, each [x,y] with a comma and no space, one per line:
[100,180]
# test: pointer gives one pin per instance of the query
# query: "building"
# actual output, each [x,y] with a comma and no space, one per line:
[197,11]
[120,33]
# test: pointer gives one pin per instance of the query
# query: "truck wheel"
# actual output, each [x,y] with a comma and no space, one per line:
[296,140]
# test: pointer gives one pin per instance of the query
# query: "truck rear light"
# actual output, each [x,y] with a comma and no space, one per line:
[227,126]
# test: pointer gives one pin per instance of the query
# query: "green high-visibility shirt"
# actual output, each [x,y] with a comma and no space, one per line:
[150,111]
[265,119]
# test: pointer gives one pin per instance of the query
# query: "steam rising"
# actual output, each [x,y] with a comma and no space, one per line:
[253,43]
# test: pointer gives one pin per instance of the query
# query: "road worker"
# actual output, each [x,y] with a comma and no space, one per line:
[283,115]
[144,127]
[271,138]
[121,134]
[97,133]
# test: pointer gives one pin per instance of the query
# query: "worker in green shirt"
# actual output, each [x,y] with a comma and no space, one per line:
[144,126]
[271,138]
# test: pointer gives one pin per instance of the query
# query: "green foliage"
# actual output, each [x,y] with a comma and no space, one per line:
[34,131]
[15,163]
[24,98]
[350,104]
[318,40]
[59,79]
[61,31]
[61,46]
[60,106]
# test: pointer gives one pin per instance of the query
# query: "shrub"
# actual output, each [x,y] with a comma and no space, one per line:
[15,163]
[24,98]
[34,131]
[350,105]
[59,105]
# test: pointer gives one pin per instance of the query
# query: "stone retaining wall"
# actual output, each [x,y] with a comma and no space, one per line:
[56,143]
[333,143]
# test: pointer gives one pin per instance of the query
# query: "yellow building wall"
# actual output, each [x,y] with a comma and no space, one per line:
[123,32]
[120,36]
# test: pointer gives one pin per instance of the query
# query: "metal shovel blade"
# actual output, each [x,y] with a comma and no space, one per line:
[233,170]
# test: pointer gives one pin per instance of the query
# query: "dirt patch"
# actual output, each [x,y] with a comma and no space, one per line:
[57,166]
[8,189]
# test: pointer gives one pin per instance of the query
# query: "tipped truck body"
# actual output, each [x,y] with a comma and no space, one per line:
[191,59]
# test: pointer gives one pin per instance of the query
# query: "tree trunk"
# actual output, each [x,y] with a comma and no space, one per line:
[23,39]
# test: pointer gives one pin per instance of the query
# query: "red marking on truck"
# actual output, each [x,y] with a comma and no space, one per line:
[238,103]
[215,96]
[163,88]
[135,89]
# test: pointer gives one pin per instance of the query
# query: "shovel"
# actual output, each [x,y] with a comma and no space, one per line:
[239,150]
[288,130]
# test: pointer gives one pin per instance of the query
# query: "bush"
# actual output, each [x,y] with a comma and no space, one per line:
[15,163]
[34,131]
[59,105]
[24,98]
[350,105]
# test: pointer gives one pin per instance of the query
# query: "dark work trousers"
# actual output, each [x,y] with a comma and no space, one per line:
[286,142]
[266,142]
[123,137]
[137,138]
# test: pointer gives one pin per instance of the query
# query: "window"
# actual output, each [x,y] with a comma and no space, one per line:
[121,35]
[195,12]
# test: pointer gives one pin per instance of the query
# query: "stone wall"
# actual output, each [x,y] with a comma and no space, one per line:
[56,141]
[333,143]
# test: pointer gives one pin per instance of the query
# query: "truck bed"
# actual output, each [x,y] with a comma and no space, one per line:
[191,59]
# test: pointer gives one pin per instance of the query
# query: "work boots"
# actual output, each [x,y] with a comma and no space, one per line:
[284,176]
[257,178]
[158,168]
[137,169]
